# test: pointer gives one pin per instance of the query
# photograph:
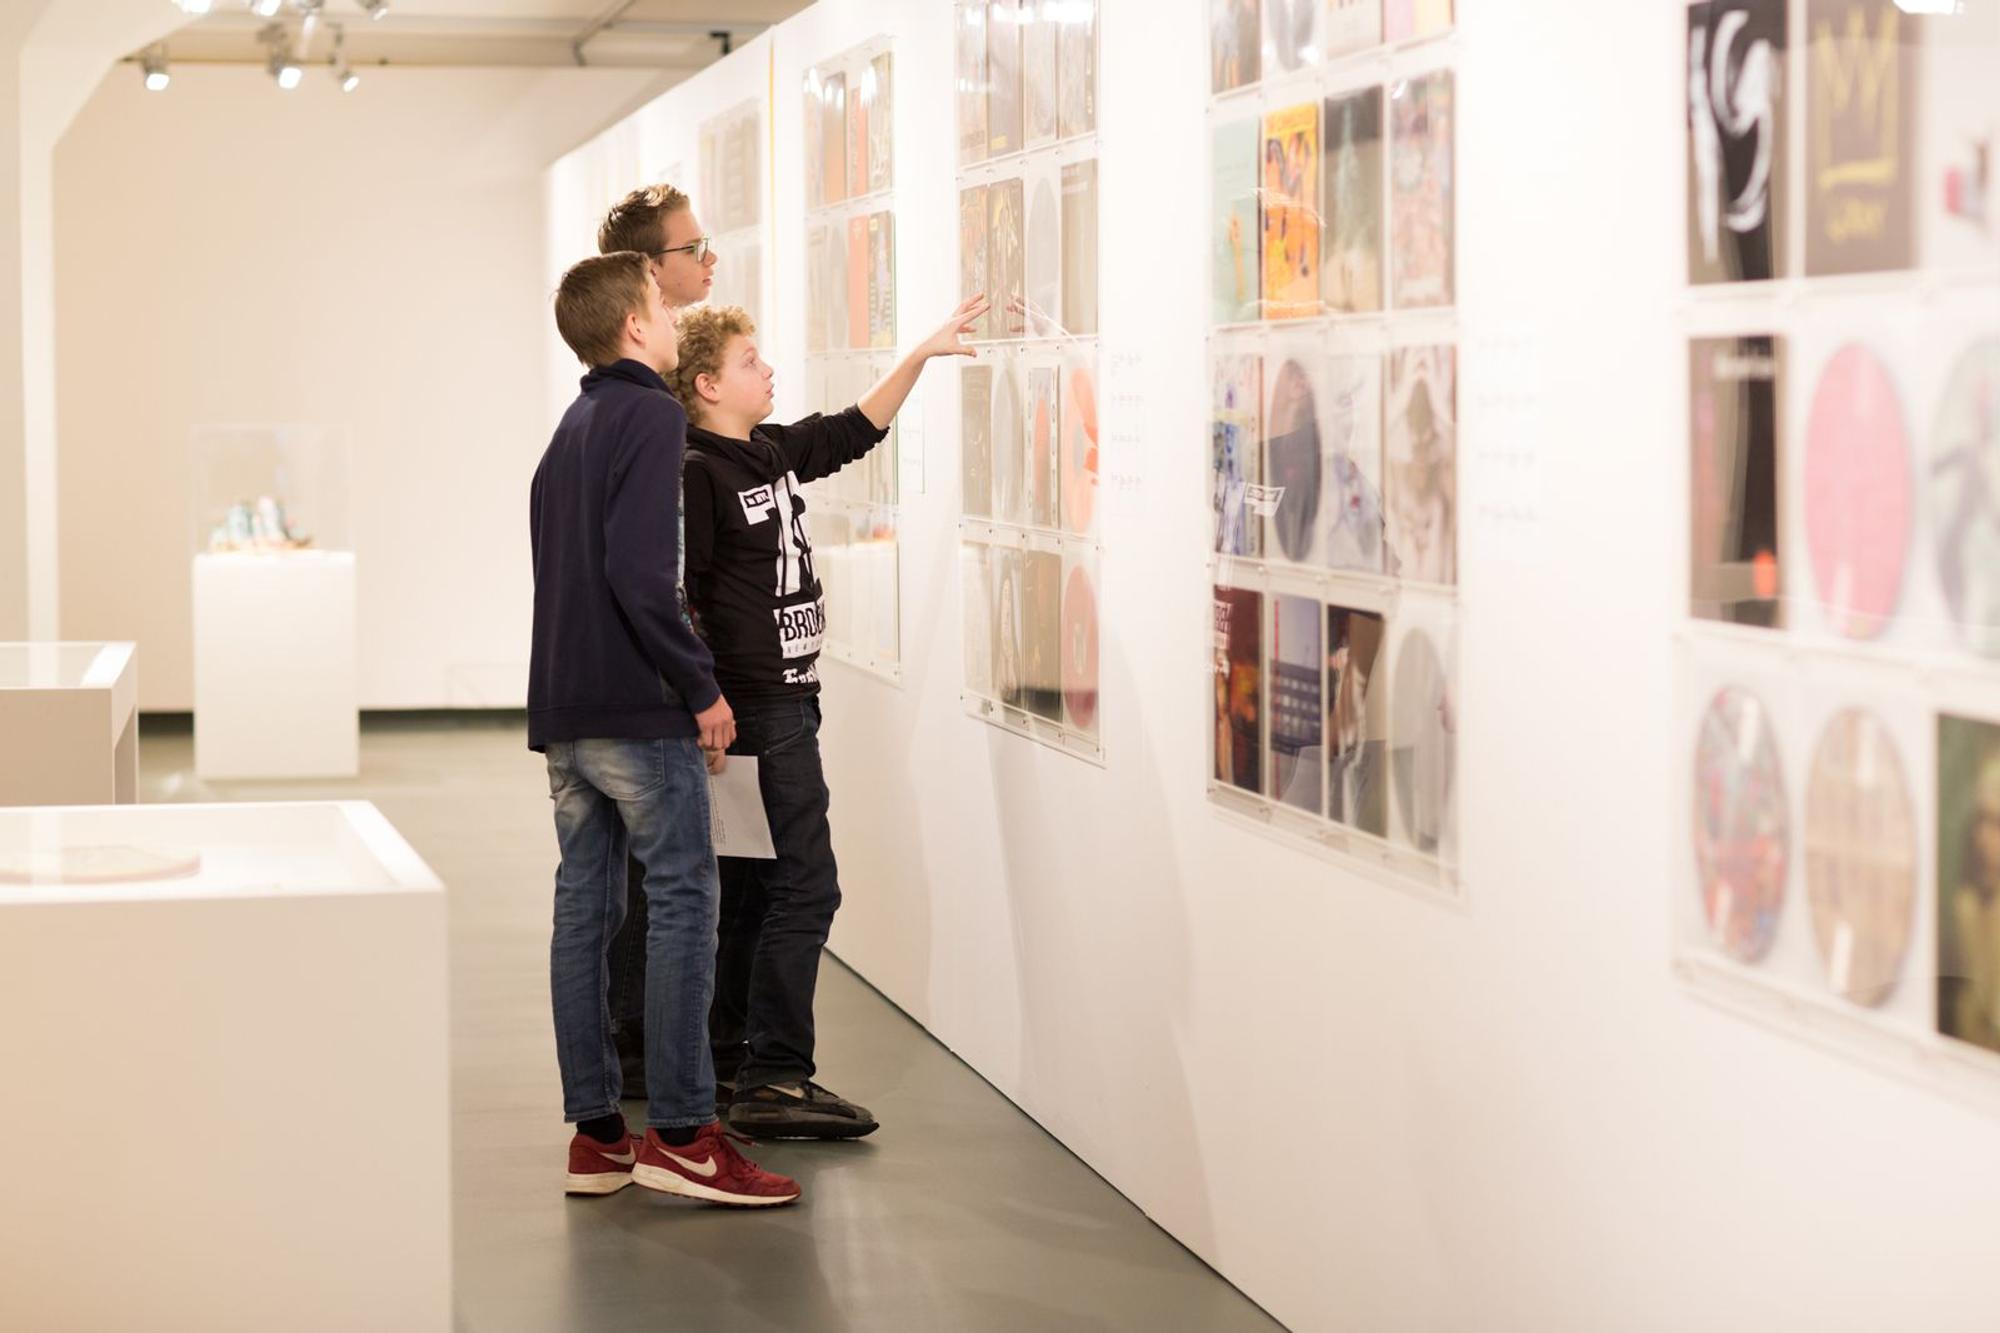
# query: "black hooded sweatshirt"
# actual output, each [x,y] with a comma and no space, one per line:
[756,598]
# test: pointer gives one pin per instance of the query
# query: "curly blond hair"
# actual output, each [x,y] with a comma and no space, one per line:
[704,332]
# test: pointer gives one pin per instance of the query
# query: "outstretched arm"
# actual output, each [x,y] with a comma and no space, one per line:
[881,403]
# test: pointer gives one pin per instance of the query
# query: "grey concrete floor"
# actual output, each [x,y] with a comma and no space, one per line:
[959,1214]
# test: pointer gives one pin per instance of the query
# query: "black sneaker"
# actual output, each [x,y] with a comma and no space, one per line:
[798,1111]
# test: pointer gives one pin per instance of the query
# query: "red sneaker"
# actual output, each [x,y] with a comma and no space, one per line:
[711,1169]
[600,1168]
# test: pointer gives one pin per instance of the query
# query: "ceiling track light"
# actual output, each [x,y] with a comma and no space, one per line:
[282,64]
[343,73]
[265,9]
[153,62]
[376,8]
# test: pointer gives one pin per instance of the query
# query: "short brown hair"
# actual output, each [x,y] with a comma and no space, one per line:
[704,332]
[635,222]
[595,297]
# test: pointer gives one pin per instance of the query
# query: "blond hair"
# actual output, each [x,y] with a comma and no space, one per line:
[704,332]
[637,222]
[595,297]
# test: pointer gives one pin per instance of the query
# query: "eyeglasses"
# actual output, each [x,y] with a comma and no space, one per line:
[698,247]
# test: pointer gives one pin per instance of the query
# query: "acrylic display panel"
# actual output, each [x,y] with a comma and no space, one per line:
[1290,212]
[1295,749]
[1291,35]
[1411,20]
[1041,264]
[1420,460]
[976,440]
[1235,44]
[1423,749]
[1858,493]
[1962,459]
[1351,249]
[972,253]
[971,80]
[1734,571]
[1236,277]
[1357,722]
[1861,63]
[1355,536]
[1968,877]
[1350,26]
[1006,257]
[1079,470]
[1076,69]
[1238,717]
[1737,146]
[1004,121]
[1860,843]
[1079,249]
[1079,645]
[1294,453]
[1041,34]
[1236,454]
[1422,191]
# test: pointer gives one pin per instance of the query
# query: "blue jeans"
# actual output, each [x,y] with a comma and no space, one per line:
[653,797]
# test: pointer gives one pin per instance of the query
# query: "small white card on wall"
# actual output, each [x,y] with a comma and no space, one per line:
[738,824]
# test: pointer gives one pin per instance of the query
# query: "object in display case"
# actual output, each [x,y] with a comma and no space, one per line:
[1005,260]
[1352,25]
[856,333]
[1010,468]
[1079,248]
[1234,223]
[1965,495]
[268,489]
[1298,709]
[882,280]
[1004,124]
[107,863]
[1010,685]
[1076,69]
[858,112]
[1292,455]
[815,153]
[1968,865]
[1737,160]
[1421,459]
[975,385]
[1079,651]
[1039,34]
[1733,472]
[878,94]
[259,526]
[736,142]
[819,270]
[1742,828]
[1354,523]
[1351,259]
[1235,44]
[1422,191]
[1861,141]
[1957,124]
[1239,688]
[972,275]
[1357,728]
[1079,445]
[1857,493]
[1042,263]
[1044,450]
[1290,211]
[1422,743]
[1041,597]
[1236,453]
[1291,35]
[971,60]
[976,575]
[1861,857]
[834,137]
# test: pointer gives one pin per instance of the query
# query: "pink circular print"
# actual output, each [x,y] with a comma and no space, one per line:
[1858,493]
[1079,652]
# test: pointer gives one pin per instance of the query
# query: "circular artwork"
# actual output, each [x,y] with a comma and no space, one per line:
[1079,650]
[1292,459]
[1079,450]
[1009,447]
[1965,496]
[1861,857]
[1857,489]
[1421,726]
[1742,835]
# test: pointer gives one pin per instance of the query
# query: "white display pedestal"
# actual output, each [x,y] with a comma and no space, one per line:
[69,724]
[225,1096]
[275,690]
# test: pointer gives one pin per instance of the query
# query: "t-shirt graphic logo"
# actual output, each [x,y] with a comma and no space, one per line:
[758,506]
[780,500]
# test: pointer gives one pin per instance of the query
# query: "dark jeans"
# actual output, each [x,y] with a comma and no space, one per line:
[775,914]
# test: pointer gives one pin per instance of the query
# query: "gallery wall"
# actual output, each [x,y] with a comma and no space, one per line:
[230,254]
[1367,1107]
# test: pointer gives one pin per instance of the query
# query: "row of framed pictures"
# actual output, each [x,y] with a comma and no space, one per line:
[730,168]
[1026,74]
[1031,635]
[1028,440]
[850,280]
[1029,242]
[1251,40]
[850,127]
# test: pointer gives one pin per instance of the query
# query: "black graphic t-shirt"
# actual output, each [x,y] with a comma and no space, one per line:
[756,599]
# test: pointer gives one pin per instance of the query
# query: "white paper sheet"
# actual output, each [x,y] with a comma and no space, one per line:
[737,821]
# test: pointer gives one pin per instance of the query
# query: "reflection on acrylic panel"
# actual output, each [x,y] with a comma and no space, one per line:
[1076,64]
[1964,492]
[1742,832]
[833,137]
[1734,574]
[1421,458]
[1421,190]
[1298,711]
[1351,25]
[1411,20]
[1238,715]
[1736,160]
[1857,493]
[1968,866]
[1038,67]
[1861,136]
[1041,598]
[1422,744]
[1357,728]
[1291,35]
[1290,196]
[1235,453]
[1292,455]
[878,95]
[1079,248]
[1079,446]
[1042,265]
[1009,446]
[1861,857]
[1003,77]
[1043,453]
[971,72]
[1351,252]
[1235,44]
[1233,227]
[1004,258]
[1353,418]
[1010,685]
[975,386]
[1079,651]
[972,275]
[976,578]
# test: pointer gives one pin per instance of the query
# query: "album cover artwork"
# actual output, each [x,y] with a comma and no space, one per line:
[1742,824]
[1859,507]
[1041,484]
[837,287]
[815,152]
[1041,596]
[858,264]
[1861,63]
[878,96]
[1352,25]
[1010,466]
[1010,665]
[972,262]
[1004,128]
[1293,452]
[976,581]
[971,53]
[975,385]
[1958,203]
[1238,719]
[859,109]
[1043,263]
[1411,20]
[833,136]
[1423,744]
[819,271]
[1965,497]
[1076,69]
[1005,260]
[1357,724]
[742,172]
[1422,191]
[1038,66]
[1420,454]
[1079,650]
[1236,453]
[1235,44]
[1291,34]
[1968,866]
[1079,248]
[1353,420]
[1290,198]
[1734,575]
[1861,857]
[1233,223]
[1079,445]
[1297,745]
[1351,249]
[882,280]
[1737,161]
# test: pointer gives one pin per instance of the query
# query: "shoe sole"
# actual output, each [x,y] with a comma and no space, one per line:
[792,1129]
[596,1182]
[663,1181]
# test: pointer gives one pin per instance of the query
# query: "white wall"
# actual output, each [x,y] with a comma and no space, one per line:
[226,253]
[1369,1111]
